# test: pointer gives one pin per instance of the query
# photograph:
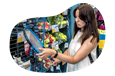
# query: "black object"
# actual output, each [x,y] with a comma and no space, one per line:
[32,60]
[56,54]
[90,57]
[98,52]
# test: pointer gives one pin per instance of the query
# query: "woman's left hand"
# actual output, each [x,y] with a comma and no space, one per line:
[46,53]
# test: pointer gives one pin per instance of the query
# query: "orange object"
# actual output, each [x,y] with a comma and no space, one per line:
[46,23]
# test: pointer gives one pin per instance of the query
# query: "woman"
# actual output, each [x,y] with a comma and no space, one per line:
[85,40]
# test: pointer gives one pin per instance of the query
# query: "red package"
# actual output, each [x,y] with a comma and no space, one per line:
[27,48]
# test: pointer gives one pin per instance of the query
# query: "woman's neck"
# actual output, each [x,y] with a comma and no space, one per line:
[81,30]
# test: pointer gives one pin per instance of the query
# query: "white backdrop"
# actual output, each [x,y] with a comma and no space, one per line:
[94,67]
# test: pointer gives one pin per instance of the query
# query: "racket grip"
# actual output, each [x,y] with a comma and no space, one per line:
[52,59]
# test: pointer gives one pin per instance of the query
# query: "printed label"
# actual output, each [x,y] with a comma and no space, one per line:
[55,45]
[55,28]
[58,67]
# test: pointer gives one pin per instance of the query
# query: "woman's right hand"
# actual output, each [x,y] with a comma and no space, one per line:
[56,62]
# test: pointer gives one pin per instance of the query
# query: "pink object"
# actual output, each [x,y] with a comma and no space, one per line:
[101,18]
[27,48]
[100,14]
[102,26]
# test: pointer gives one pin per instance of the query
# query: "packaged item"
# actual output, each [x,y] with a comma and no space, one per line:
[102,26]
[27,48]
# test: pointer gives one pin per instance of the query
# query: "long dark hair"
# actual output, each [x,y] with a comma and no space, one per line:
[86,13]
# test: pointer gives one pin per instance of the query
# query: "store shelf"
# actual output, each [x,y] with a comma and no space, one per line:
[18,50]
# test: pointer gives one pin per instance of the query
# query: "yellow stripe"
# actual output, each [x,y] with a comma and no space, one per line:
[107,44]
[101,43]
[44,61]
[106,31]
[40,59]
[27,66]
[49,63]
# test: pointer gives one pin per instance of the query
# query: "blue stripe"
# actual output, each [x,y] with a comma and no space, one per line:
[35,6]
[43,30]
[42,65]
[31,68]
[106,37]
[56,26]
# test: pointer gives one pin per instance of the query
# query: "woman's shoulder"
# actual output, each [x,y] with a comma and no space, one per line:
[91,39]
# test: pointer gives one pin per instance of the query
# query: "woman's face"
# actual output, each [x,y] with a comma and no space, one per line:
[80,23]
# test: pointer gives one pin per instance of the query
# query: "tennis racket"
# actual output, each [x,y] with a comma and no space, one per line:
[34,41]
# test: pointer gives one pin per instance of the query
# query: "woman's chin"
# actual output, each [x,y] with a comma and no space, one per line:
[79,26]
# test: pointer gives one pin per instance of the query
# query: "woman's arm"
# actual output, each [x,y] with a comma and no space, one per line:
[56,60]
[82,52]
[66,52]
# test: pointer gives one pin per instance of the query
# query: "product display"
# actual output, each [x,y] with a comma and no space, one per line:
[59,20]
[60,36]
[32,36]
[47,26]
[57,31]
[50,40]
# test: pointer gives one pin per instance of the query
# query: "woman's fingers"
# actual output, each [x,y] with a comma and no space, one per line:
[40,54]
[41,48]
[54,64]
[43,57]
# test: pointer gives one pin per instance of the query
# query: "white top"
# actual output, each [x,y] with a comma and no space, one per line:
[75,44]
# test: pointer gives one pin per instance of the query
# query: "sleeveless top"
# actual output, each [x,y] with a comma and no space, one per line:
[75,44]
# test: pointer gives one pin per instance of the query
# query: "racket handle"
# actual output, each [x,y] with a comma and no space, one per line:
[52,60]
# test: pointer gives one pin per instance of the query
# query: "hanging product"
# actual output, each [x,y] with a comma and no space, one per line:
[99,16]
[58,19]
[41,33]
[33,40]
[27,48]
[102,26]
[47,26]
[60,36]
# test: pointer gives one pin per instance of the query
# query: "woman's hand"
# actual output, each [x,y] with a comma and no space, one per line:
[56,62]
[46,53]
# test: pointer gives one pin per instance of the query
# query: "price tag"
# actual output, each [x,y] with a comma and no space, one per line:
[55,45]
[55,28]
[66,45]
[63,63]
[52,69]
[20,34]
[61,26]
[58,67]
[24,39]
